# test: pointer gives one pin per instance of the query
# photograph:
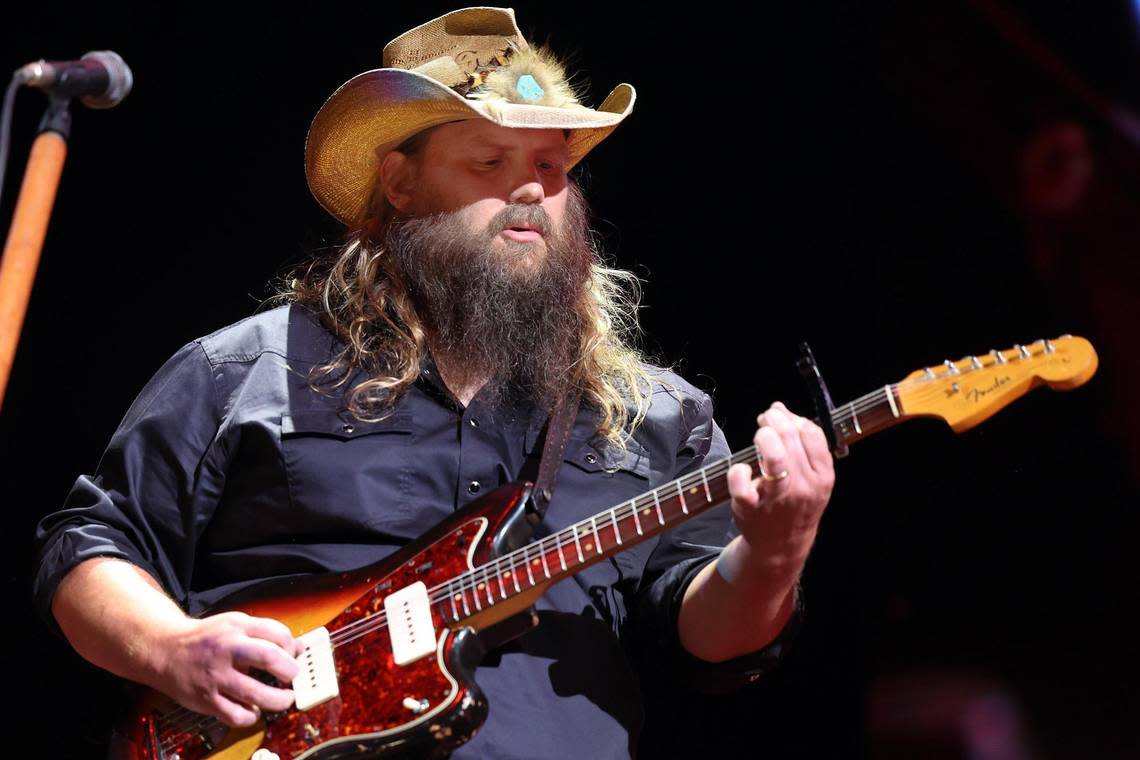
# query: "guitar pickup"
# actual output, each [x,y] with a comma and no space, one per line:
[316,682]
[409,623]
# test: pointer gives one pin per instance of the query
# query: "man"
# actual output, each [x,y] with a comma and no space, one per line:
[468,299]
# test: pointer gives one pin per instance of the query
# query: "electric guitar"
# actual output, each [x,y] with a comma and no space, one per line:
[391,649]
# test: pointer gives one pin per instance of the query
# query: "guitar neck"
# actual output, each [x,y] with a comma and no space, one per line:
[962,393]
[562,554]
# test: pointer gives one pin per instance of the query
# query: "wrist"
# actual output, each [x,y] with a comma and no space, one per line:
[731,563]
[741,563]
[158,646]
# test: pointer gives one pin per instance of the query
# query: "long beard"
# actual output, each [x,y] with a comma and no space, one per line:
[503,310]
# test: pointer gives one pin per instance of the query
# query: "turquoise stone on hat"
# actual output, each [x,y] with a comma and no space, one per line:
[528,88]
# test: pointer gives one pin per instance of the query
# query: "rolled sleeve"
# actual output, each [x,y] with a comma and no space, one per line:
[149,496]
[679,555]
[702,675]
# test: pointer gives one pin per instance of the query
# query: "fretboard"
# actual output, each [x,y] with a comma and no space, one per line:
[577,546]
[867,414]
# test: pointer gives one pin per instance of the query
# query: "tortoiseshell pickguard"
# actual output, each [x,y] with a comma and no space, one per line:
[372,687]
[370,715]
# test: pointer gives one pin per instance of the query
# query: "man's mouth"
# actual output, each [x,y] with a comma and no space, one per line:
[522,232]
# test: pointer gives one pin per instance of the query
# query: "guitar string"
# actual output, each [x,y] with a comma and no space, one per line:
[470,580]
[174,729]
[566,537]
[935,384]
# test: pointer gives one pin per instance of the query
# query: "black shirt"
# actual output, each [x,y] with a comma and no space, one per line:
[228,469]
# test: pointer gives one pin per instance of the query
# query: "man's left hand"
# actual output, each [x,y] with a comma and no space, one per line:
[778,515]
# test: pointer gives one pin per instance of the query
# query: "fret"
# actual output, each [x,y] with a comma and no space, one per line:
[684,506]
[515,577]
[463,598]
[891,400]
[617,533]
[660,517]
[526,561]
[636,519]
[705,480]
[597,538]
[545,567]
[454,609]
[475,595]
[502,588]
[578,544]
[561,556]
[487,586]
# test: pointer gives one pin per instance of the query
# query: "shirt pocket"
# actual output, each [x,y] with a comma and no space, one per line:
[346,476]
[596,477]
[593,457]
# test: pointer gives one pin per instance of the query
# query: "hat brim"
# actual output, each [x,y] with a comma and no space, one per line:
[376,110]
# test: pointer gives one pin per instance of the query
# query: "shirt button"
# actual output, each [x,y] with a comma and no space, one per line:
[348,428]
[591,457]
[473,486]
[474,421]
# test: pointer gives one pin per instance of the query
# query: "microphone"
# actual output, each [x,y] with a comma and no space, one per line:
[100,78]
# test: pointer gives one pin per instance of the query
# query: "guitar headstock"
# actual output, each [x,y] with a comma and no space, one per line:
[974,388]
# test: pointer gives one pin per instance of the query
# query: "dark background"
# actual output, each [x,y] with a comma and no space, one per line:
[849,177]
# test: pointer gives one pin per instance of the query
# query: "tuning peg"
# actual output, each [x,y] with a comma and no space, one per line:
[928,374]
[1049,347]
[1025,354]
[951,369]
[975,362]
[999,357]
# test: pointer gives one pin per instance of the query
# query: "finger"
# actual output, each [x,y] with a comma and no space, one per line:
[233,714]
[797,435]
[247,690]
[266,655]
[742,486]
[800,422]
[817,449]
[772,453]
[779,418]
[783,425]
[776,411]
[275,631]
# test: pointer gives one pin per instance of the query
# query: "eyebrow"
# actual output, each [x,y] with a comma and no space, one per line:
[483,142]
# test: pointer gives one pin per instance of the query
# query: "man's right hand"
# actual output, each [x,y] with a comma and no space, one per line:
[205,666]
[118,617]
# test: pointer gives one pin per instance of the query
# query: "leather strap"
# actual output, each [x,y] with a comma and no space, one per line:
[554,436]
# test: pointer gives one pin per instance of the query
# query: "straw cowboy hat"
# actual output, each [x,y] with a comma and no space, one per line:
[470,63]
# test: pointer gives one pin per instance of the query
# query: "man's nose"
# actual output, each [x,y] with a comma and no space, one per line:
[528,189]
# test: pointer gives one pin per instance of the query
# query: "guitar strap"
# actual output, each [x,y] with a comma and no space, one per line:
[555,434]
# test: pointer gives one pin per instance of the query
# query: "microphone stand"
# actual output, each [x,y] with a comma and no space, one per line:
[29,227]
